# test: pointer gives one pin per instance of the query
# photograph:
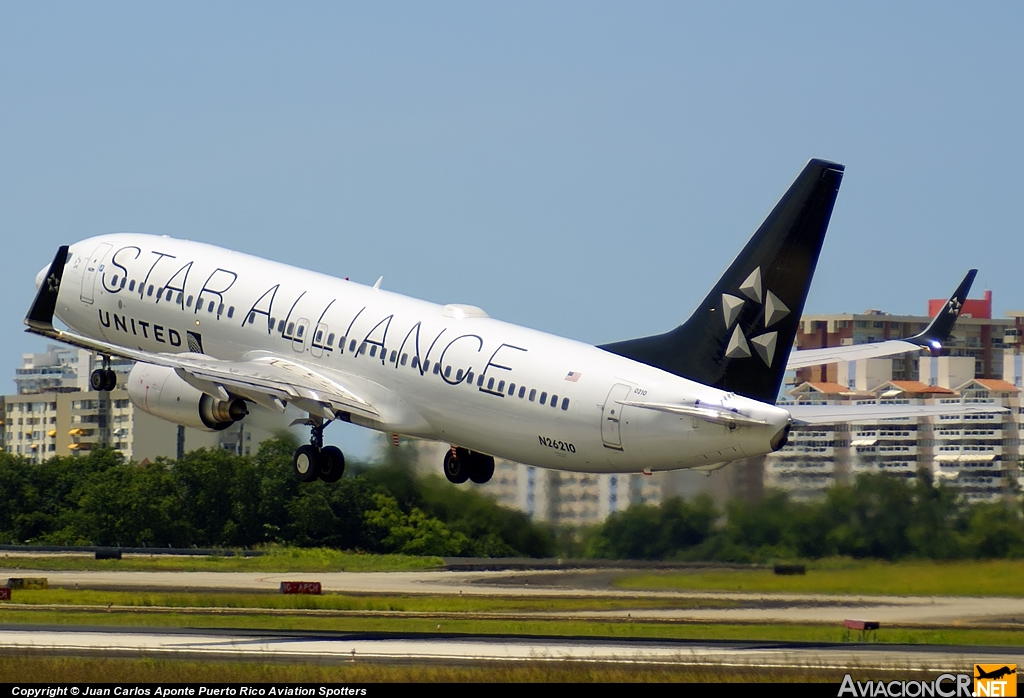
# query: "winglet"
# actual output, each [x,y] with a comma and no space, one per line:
[937,333]
[40,315]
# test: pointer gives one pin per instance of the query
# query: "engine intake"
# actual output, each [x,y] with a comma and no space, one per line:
[159,391]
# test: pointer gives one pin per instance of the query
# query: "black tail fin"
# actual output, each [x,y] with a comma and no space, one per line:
[740,336]
[935,335]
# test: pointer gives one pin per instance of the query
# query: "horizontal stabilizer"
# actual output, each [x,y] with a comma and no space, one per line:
[715,415]
[854,414]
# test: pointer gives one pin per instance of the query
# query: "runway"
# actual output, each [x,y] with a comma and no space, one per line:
[298,647]
[923,611]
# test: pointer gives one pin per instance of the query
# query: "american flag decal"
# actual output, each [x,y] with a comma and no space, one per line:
[573,376]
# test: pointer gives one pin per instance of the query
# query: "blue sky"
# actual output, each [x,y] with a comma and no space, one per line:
[587,169]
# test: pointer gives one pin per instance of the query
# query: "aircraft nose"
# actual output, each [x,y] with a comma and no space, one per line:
[41,275]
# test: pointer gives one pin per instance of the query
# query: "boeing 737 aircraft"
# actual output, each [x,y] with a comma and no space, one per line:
[213,330]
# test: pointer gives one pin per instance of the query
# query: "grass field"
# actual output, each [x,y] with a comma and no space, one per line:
[274,560]
[547,628]
[94,670]
[349,602]
[918,578]
[422,614]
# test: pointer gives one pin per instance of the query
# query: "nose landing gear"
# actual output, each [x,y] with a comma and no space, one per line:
[461,464]
[314,460]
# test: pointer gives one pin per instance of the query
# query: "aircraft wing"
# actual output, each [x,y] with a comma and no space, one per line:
[266,379]
[850,352]
[931,339]
[841,414]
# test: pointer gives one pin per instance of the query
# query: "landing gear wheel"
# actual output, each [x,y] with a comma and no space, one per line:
[97,379]
[332,464]
[306,463]
[109,380]
[481,468]
[456,468]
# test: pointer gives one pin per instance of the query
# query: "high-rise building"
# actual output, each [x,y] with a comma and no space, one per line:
[977,454]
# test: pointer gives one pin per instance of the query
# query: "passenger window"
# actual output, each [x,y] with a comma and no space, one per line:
[437,369]
[209,308]
[170,293]
[220,309]
[113,282]
[533,394]
[150,291]
[415,362]
[405,358]
[458,376]
[373,350]
[362,349]
[231,312]
[188,301]
[480,381]
[159,292]
[554,401]
[330,340]
[426,365]
[543,397]
[352,346]
[131,286]
[565,404]
[280,326]
[501,386]
[394,355]
[469,378]
[301,328]
[291,327]
[124,281]
[319,336]
[490,383]
[180,295]
[447,371]
[511,389]
[522,391]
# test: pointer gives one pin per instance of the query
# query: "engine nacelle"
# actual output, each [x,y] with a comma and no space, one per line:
[160,392]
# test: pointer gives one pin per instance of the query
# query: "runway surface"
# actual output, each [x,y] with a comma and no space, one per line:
[743,607]
[350,647]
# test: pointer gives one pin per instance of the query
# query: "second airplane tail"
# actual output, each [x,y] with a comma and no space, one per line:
[740,336]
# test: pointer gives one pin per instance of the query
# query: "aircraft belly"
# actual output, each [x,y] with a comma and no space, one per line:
[524,433]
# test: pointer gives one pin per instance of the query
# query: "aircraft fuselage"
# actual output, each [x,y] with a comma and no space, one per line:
[448,373]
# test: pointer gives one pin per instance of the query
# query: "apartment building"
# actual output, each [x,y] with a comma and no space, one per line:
[55,414]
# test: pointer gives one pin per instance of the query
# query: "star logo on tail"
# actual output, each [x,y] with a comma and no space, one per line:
[765,343]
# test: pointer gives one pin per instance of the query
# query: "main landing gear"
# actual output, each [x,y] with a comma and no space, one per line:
[461,464]
[103,379]
[315,460]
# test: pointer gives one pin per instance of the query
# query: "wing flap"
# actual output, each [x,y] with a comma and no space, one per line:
[715,415]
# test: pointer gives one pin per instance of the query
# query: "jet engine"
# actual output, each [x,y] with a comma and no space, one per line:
[160,392]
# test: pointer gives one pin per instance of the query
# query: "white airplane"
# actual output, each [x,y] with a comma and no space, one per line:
[213,330]
[932,339]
